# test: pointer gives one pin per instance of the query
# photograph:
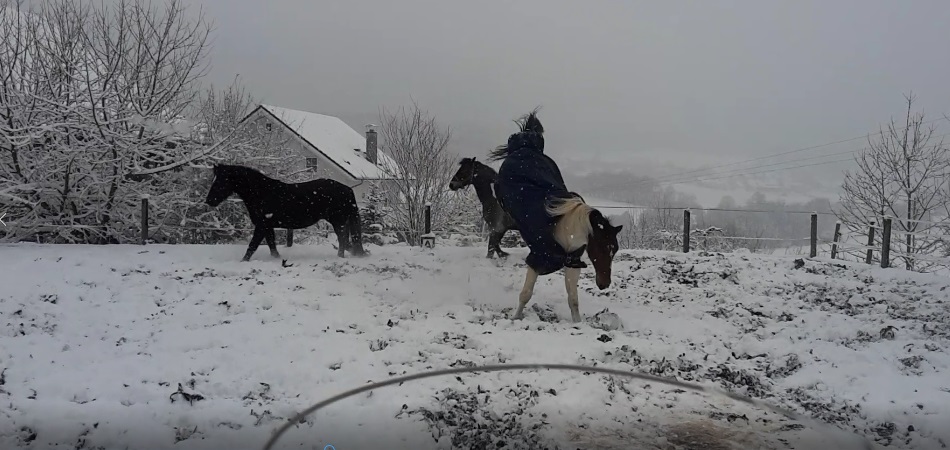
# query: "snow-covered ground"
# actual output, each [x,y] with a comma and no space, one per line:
[98,342]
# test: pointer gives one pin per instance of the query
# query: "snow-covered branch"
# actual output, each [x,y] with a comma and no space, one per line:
[903,174]
[98,106]
[418,146]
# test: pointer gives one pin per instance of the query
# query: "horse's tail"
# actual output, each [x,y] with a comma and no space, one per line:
[528,123]
[573,210]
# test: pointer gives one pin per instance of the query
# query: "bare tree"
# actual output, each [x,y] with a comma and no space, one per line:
[95,101]
[222,136]
[423,167]
[42,143]
[903,174]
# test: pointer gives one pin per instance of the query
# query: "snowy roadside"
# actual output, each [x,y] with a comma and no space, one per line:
[95,342]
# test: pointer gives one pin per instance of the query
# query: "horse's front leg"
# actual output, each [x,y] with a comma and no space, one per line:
[571,277]
[272,242]
[526,292]
[259,233]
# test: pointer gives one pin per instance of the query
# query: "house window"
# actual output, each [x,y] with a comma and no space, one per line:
[312,163]
[269,126]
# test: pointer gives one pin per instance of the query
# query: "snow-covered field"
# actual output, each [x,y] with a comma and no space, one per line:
[99,346]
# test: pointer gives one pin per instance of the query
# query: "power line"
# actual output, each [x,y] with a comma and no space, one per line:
[741,170]
[680,208]
[661,178]
[767,171]
[745,173]
[757,172]
[727,174]
[677,181]
[798,150]
[765,165]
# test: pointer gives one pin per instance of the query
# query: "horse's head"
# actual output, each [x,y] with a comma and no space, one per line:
[602,246]
[465,175]
[222,186]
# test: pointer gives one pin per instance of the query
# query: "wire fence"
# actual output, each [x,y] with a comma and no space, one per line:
[700,238]
[878,242]
[929,240]
[673,208]
[186,233]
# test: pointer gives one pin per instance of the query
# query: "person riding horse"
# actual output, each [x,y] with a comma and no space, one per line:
[527,181]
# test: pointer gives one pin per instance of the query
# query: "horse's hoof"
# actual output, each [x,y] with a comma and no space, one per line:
[502,255]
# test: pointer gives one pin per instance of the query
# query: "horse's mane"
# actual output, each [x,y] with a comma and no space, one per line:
[477,163]
[574,223]
[527,123]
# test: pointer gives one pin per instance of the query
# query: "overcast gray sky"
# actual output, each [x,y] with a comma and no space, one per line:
[620,82]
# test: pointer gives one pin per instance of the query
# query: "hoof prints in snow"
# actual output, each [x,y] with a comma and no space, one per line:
[545,314]
[816,337]
[190,398]
[472,419]
[756,383]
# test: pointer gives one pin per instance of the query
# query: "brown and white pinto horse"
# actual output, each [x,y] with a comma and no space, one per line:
[578,225]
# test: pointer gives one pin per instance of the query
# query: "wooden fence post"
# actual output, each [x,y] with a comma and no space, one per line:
[144,219]
[428,218]
[867,259]
[886,243]
[814,236]
[428,239]
[685,231]
[834,244]
[290,237]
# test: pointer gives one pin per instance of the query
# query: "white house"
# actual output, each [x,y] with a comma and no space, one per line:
[331,149]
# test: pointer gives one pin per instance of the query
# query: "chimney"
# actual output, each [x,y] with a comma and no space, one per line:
[371,143]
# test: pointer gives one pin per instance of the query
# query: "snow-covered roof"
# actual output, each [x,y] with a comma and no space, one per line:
[336,140]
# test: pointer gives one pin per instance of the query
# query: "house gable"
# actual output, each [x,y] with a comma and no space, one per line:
[325,168]
[332,139]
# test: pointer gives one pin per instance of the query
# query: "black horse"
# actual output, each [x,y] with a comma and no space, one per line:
[472,172]
[274,204]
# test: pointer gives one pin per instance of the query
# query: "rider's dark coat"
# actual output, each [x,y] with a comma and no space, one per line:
[527,180]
